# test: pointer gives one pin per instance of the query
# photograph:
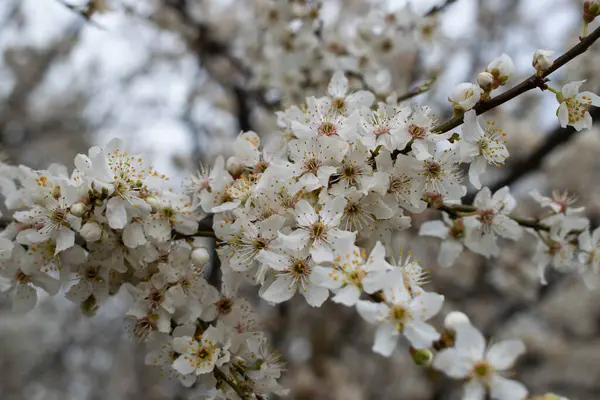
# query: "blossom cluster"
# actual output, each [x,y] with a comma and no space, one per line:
[112,223]
[291,47]
[310,213]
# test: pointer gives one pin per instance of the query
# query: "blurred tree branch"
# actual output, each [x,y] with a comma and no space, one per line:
[436,9]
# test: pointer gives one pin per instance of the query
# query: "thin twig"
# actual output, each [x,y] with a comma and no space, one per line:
[439,8]
[460,210]
[528,84]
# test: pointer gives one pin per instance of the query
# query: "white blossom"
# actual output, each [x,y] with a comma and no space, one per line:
[465,96]
[481,146]
[573,109]
[469,359]
[401,314]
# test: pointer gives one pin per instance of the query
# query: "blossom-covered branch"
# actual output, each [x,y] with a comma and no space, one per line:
[310,213]
[534,81]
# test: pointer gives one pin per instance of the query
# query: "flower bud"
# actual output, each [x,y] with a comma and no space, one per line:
[421,357]
[549,396]
[501,69]
[465,96]
[91,231]
[542,60]
[591,9]
[485,81]
[455,319]
[153,203]
[89,306]
[200,256]
[78,209]
[234,166]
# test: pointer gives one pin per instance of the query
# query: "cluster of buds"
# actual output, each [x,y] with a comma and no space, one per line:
[496,74]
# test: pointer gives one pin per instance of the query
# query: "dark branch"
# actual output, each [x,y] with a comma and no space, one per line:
[439,8]
[528,84]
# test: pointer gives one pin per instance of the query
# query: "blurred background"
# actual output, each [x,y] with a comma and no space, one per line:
[155,73]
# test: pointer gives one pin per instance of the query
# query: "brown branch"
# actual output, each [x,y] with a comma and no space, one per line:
[239,391]
[528,84]
[459,211]
[439,8]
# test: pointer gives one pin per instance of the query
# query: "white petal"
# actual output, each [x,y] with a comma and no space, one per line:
[64,240]
[420,334]
[276,261]
[449,251]
[360,99]
[386,340]
[315,295]
[321,253]
[474,390]
[483,199]
[426,305]
[159,230]
[594,97]
[371,312]
[506,389]
[347,296]
[185,345]
[435,229]
[571,89]
[333,211]
[296,240]
[477,168]
[281,289]
[470,341]
[184,365]
[133,235]
[116,213]
[563,115]
[326,277]
[302,131]
[338,85]
[305,214]
[46,282]
[453,363]
[506,227]
[503,355]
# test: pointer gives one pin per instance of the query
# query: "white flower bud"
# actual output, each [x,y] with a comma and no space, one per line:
[465,96]
[200,256]
[542,60]
[455,319]
[485,81]
[91,231]
[234,166]
[153,202]
[501,69]
[78,209]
